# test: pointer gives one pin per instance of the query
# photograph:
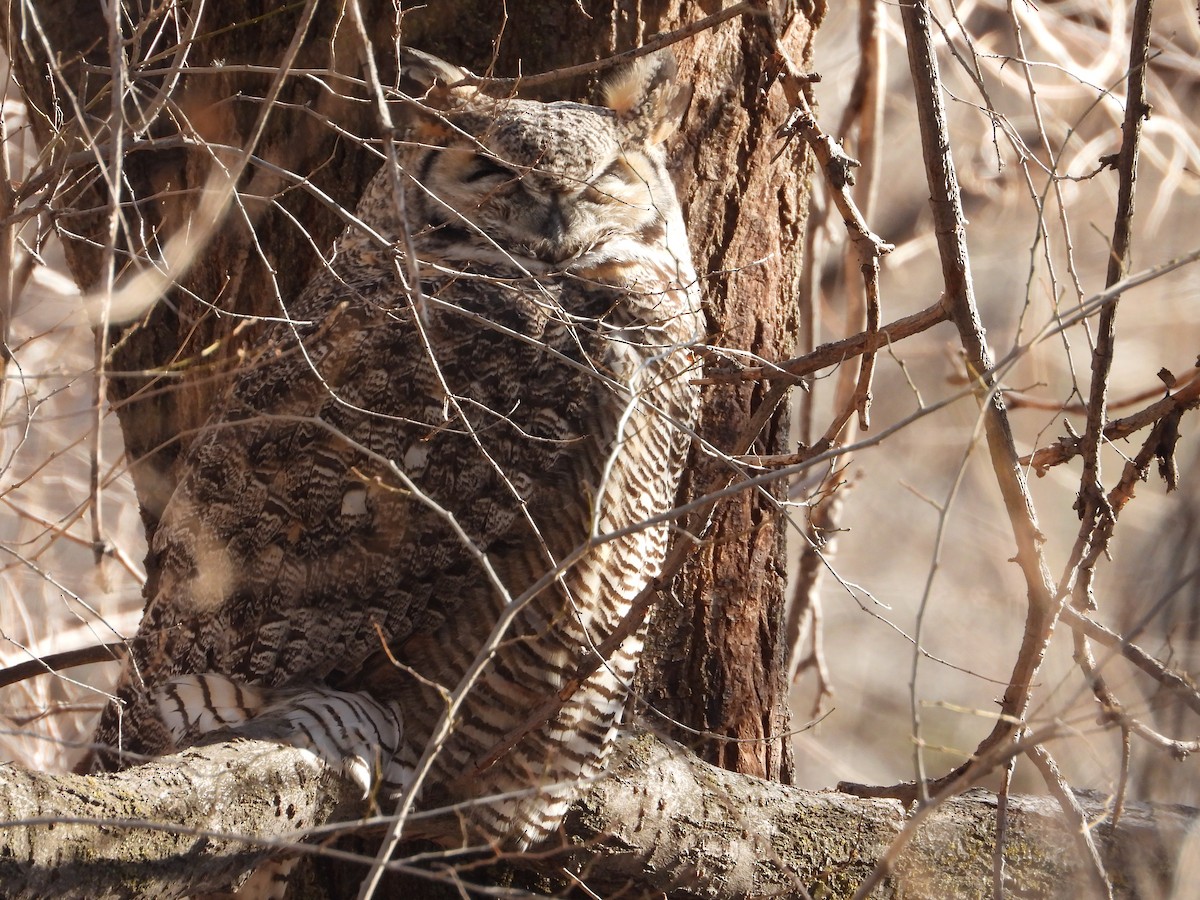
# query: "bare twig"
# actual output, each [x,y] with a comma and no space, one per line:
[1136,110]
[1179,685]
[835,352]
[1123,781]
[1111,707]
[998,755]
[868,246]
[1097,510]
[837,165]
[949,223]
[838,351]
[860,127]
[999,867]
[1081,828]
[1186,397]
[747,7]
[1023,400]
[56,662]
[1093,508]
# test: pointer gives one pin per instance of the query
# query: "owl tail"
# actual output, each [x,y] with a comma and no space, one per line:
[351,731]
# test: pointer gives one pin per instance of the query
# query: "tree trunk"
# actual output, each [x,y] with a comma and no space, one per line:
[182,352]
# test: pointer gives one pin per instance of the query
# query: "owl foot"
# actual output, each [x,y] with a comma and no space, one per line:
[351,731]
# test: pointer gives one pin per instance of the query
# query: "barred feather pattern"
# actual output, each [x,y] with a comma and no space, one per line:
[352,730]
[466,442]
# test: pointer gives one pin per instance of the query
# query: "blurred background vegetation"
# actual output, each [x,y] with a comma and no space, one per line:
[1026,271]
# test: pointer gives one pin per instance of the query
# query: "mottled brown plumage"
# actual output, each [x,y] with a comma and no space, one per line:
[430,437]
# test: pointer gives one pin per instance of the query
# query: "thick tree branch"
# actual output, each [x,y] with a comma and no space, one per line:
[661,820]
[166,829]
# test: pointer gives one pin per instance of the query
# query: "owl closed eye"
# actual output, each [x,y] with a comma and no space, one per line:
[563,184]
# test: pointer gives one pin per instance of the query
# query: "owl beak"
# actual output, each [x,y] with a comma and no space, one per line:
[558,226]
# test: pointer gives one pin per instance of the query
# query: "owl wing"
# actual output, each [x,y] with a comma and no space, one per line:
[357,473]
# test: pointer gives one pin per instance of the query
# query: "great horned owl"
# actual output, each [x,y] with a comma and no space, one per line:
[462,443]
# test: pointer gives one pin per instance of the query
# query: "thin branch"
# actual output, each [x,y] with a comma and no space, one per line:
[1112,710]
[949,224]
[998,755]
[1185,398]
[1096,514]
[1024,400]
[1081,827]
[747,7]
[56,662]
[837,165]
[1179,685]
[860,127]
[1161,444]
[835,352]
[839,351]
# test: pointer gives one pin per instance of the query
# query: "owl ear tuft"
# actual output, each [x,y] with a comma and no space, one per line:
[431,88]
[647,101]
[433,81]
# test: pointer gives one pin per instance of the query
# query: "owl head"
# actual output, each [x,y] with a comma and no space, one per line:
[545,185]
